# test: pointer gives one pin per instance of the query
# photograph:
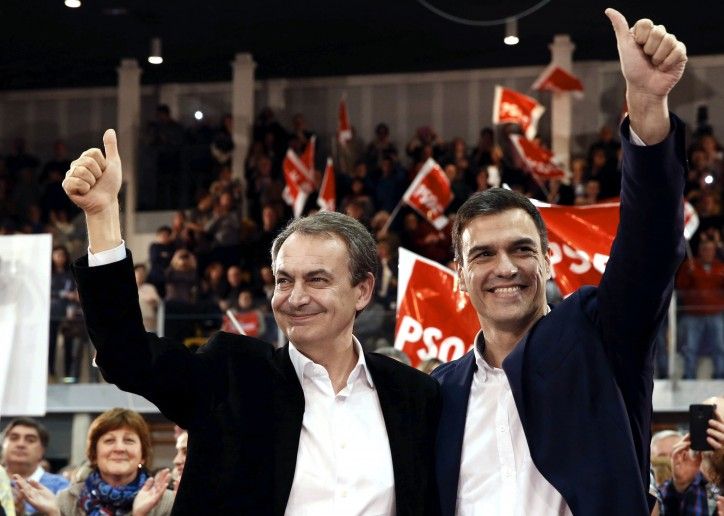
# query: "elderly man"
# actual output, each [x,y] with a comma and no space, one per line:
[550,412]
[24,444]
[315,427]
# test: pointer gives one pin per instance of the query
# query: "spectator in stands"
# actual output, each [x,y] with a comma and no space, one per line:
[181,235]
[267,124]
[181,283]
[19,159]
[459,188]
[300,130]
[380,147]
[160,253]
[247,315]
[63,296]
[24,442]
[165,136]
[427,366]
[271,226]
[686,492]
[486,152]
[148,298]
[591,193]
[700,284]
[608,143]
[425,136]
[119,451]
[395,353]
[7,501]
[559,193]
[224,230]
[59,163]
[266,277]
[179,460]
[389,185]
[603,170]
[214,287]
[662,445]
[25,193]
[358,193]
[386,281]
[237,280]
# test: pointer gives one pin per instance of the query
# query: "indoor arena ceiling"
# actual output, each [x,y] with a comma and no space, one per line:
[44,44]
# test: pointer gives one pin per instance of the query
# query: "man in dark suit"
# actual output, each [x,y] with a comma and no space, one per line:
[550,412]
[316,427]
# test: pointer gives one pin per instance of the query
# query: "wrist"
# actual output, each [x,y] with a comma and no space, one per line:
[649,115]
[104,228]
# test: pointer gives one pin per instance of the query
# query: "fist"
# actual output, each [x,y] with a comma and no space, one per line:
[93,180]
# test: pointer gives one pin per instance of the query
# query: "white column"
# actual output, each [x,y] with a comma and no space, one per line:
[242,111]
[561,55]
[127,129]
[276,98]
[78,437]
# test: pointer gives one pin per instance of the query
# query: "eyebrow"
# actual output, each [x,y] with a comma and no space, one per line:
[308,274]
[485,247]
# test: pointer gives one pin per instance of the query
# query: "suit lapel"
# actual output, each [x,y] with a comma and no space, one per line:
[455,390]
[390,402]
[288,416]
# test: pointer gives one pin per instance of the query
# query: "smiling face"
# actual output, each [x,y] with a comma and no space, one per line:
[504,270]
[118,455]
[314,301]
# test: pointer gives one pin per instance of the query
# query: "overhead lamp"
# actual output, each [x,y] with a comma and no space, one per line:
[154,56]
[73,4]
[198,115]
[511,31]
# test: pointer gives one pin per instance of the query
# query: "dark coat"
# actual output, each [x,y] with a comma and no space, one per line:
[242,404]
[582,378]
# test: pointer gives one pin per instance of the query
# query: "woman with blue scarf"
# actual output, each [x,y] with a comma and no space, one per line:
[118,449]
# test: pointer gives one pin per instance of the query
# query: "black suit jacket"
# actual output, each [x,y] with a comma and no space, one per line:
[242,404]
[582,378]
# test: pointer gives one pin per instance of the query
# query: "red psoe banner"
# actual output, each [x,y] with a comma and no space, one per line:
[556,79]
[580,239]
[298,177]
[512,107]
[430,194]
[538,160]
[434,318]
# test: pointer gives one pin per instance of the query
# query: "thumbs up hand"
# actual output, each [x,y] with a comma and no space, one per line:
[652,60]
[94,180]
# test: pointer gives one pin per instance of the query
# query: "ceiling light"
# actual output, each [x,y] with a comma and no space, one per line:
[154,56]
[198,115]
[73,4]
[709,179]
[511,32]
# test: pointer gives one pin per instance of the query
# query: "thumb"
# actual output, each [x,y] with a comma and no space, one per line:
[618,20]
[111,144]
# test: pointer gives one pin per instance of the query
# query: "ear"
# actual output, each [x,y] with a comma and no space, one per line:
[462,287]
[548,270]
[365,289]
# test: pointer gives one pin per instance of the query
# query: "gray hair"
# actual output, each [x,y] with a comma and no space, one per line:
[360,244]
[395,353]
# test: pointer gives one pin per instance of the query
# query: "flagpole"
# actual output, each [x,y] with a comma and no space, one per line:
[386,227]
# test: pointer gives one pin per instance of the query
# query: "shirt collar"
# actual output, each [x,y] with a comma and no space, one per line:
[484,369]
[37,474]
[304,366]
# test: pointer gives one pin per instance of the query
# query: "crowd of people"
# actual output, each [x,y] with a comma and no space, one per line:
[213,256]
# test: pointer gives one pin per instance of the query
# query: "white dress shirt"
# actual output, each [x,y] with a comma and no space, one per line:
[497,474]
[344,466]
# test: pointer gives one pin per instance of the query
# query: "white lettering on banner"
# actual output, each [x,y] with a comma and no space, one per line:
[427,198]
[583,266]
[411,331]
[508,109]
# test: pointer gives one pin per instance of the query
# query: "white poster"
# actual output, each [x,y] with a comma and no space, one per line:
[24,320]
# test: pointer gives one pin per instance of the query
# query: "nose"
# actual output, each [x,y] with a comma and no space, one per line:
[298,296]
[504,266]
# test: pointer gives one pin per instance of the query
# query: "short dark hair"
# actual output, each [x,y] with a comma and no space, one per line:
[360,244]
[164,229]
[32,423]
[491,202]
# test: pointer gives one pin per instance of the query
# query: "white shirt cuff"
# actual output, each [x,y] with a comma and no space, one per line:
[634,138]
[108,256]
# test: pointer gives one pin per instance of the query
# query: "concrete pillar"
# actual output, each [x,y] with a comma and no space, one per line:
[78,435]
[242,109]
[561,55]
[127,128]
[276,98]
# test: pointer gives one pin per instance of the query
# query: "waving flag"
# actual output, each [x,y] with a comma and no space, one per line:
[556,79]
[434,318]
[691,220]
[512,107]
[430,194]
[299,178]
[344,129]
[538,160]
[327,198]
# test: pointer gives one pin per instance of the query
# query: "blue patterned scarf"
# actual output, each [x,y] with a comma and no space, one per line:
[98,498]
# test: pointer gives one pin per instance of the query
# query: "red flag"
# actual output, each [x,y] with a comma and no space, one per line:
[556,79]
[250,321]
[344,129]
[513,107]
[538,160]
[327,198]
[299,178]
[430,193]
[691,220]
[580,239]
[434,318]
